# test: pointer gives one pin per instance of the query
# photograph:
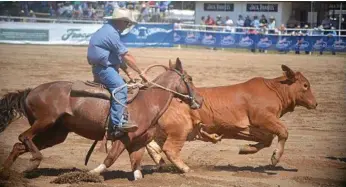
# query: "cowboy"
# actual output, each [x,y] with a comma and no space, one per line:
[106,53]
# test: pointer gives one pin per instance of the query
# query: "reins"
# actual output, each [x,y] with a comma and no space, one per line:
[133,85]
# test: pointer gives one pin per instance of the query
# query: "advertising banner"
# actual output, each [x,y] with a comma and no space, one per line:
[149,35]
[142,35]
[260,41]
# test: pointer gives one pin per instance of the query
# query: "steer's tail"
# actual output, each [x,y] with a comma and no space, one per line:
[12,107]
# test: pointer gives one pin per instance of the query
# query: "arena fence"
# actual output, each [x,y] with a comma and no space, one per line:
[169,35]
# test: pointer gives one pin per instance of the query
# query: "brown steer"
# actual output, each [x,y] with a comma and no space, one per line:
[247,111]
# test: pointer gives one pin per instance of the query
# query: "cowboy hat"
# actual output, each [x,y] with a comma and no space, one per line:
[122,14]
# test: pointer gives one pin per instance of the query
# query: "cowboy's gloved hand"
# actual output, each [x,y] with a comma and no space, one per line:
[144,78]
[132,79]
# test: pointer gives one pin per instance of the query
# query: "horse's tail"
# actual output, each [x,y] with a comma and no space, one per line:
[12,107]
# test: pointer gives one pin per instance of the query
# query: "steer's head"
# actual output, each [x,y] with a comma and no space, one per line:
[300,88]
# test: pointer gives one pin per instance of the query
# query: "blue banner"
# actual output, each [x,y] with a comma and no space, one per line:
[149,35]
[259,41]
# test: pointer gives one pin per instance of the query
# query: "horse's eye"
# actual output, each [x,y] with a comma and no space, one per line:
[305,85]
[190,79]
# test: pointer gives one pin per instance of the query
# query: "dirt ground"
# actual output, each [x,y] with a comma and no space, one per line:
[314,153]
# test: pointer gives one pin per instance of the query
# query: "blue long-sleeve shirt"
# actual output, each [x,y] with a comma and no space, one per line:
[105,47]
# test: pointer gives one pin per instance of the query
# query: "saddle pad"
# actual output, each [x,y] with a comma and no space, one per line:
[93,89]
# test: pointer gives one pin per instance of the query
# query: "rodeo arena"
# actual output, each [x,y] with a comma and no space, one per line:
[172,93]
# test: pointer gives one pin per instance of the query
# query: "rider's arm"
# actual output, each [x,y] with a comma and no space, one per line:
[126,57]
[124,67]
[130,61]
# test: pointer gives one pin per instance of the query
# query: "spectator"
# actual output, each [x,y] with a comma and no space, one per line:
[218,20]
[61,10]
[282,29]
[229,24]
[51,11]
[202,20]
[255,23]
[202,23]
[22,14]
[108,9]
[209,22]
[91,12]
[252,32]
[306,32]
[272,25]
[77,11]
[318,31]
[300,39]
[332,32]
[247,22]
[263,30]
[177,24]
[240,23]
[327,23]
[263,20]
[32,16]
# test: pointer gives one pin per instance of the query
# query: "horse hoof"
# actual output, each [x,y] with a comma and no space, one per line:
[137,175]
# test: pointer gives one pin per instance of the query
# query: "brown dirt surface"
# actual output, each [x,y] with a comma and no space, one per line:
[314,153]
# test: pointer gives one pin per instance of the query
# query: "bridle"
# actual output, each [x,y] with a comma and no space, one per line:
[184,78]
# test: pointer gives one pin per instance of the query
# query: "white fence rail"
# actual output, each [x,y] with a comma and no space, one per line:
[276,31]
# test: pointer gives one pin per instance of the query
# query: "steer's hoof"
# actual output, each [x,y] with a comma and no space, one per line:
[274,158]
[185,169]
[243,150]
[4,173]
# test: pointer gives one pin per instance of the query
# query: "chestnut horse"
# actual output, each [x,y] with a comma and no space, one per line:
[53,113]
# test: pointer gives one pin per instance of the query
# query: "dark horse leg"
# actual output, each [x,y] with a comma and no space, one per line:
[53,136]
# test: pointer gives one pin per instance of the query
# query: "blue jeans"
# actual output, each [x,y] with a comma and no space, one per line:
[109,77]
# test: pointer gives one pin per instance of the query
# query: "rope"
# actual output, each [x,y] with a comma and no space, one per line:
[139,84]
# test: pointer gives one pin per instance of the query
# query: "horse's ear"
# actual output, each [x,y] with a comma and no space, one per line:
[171,65]
[179,66]
[288,73]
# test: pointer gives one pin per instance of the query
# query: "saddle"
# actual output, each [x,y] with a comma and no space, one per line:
[97,90]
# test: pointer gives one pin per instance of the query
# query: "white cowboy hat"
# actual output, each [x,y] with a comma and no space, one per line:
[122,14]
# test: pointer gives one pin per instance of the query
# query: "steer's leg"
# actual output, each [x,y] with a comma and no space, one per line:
[154,150]
[264,142]
[275,126]
[172,148]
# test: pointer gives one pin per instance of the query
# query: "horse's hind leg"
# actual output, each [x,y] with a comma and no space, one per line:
[26,138]
[54,135]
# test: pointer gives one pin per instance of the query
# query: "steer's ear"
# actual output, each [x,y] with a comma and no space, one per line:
[179,66]
[289,73]
[171,65]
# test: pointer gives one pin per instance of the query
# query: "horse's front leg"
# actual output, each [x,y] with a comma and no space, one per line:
[117,148]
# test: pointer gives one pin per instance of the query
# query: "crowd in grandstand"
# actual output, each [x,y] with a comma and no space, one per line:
[263,25]
[83,10]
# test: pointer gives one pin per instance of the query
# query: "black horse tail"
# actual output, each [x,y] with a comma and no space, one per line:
[12,107]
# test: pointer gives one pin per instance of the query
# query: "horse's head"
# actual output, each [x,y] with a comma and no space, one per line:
[184,85]
[180,84]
